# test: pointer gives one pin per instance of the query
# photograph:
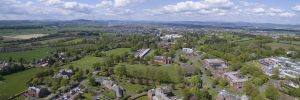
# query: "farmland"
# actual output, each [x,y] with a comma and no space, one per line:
[36,53]
[84,63]
[282,45]
[118,51]
[15,83]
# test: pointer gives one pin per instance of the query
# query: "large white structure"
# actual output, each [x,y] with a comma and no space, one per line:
[187,50]
[287,66]
[171,36]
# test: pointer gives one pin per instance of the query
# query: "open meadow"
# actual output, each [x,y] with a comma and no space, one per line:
[16,83]
[36,53]
[85,63]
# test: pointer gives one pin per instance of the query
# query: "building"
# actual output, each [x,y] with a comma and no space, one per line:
[64,73]
[162,93]
[164,44]
[291,72]
[287,66]
[118,91]
[4,67]
[163,59]
[141,53]
[236,80]
[216,66]
[171,36]
[225,95]
[37,92]
[188,50]
[112,86]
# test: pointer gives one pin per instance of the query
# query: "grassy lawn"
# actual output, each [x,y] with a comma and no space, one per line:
[88,96]
[255,64]
[118,51]
[85,63]
[133,88]
[109,93]
[29,55]
[16,83]
[142,98]
[170,69]
[282,45]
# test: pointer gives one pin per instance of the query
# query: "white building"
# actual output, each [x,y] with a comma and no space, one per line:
[187,50]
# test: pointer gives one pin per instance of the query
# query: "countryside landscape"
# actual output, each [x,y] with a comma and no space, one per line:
[186,50]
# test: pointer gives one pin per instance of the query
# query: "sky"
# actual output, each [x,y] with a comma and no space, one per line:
[256,11]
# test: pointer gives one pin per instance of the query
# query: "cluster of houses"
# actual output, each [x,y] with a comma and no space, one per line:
[162,60]
[141,53]
[108,84]
[171,36]
[36,92]
[287,67]
[4,66]
[219,69]
[162,93]
[64,73]
[225,95]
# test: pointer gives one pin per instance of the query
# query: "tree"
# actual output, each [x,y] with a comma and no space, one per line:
[92,81]
[271,92]
[196,82]
[120,71]
[1,77]
[280,51]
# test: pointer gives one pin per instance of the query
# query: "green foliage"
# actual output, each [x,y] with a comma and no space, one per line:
[280,51]
[196,81]
[120,71]
[92,81]
[271,92]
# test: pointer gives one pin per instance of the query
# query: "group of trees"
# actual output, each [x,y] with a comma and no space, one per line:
[12,68]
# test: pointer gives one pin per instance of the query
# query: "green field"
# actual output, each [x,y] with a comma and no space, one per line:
[133,88]
[170,69]
[85,63]
[29,55]
[16,83]
[282,45]
[118,51]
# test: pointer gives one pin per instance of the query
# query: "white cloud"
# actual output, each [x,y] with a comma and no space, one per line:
[123,3]
[213,7]
[297,7]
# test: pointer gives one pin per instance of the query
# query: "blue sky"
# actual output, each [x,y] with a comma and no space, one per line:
[258,11]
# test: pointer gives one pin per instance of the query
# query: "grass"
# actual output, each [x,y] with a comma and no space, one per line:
[109,93]
[85,63]
[118,51]
[88,96]
[282,45]
[170,69]
[16,83]
[142,98]
[133,88]
[29,55]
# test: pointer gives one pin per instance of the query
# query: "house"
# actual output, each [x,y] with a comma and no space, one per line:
[141,53]
[64,73]
[37,92]
[118,91]
[162,93]
[108,84]
[236,80]
[164,44]
[4,67]
[216,66]
[188,50]
[163,59]
[112,86]
[225,95]
[291,52]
